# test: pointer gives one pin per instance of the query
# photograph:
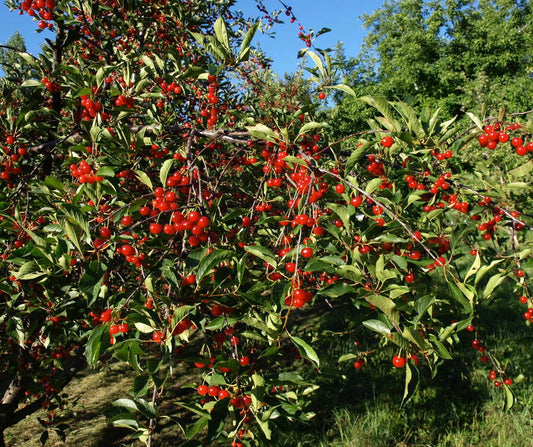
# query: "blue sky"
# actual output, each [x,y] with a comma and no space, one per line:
[342,16]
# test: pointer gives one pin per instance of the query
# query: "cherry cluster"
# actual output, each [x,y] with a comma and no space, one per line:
[84,173]
[43,9]
[494,135]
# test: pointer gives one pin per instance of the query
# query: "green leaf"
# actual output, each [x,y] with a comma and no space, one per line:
[343,211]
[143,327]
[383,106]
[29,270]
[165,169]
[262,132]
[31,83]
[125,403]
[246,41]
[474,268]
[372,185]
[509,398]
[493,282]
[92,280]
[262,253]
[94,344]
[386,305]
[194,429]
[212,260]
[306,351]
[411,382]
[476,120]
[307,127]
[347,358]
[343,88]
[221,32]
[318,62]
[356,154]
[377,326]
[337,289]
[54,183]
[218,417]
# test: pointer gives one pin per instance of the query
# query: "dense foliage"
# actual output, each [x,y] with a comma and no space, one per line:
[165,204]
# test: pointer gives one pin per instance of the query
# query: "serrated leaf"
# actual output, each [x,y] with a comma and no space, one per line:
[221,32]
[31,83]
[411,382]
[343,211]
[343,88]
[476,120]
[165,169]
[372,185]
[29,270]
[262,253]
[356,155]
[247,39]
[493,282]
[54,183]
[318,62]
[307,127]
[125,403]
[143,177]
[94,344]
[306,351]
[347,357]
[262,132]
[212,260]
[509,398]
[474,268]
[143,327]
[377,326]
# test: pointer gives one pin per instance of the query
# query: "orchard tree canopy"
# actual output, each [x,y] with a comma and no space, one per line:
[458,54]
[166,204]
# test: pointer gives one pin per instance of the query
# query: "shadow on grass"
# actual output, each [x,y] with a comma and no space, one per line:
[453,403]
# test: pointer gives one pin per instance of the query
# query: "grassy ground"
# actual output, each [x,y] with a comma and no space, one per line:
[459,408]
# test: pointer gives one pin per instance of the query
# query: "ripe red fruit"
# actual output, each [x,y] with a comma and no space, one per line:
[105,232]
[307,252]
[105,316]
[387,141]
[321,95]
[126,221]
[213,391]
[356,201]
[377,210]
[10,139]
[157,336]
[398,362]
[340,188]
[155,228]
[359,364]
[202,390]
[483,140]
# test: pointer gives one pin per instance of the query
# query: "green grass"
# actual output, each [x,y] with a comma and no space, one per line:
[459,408]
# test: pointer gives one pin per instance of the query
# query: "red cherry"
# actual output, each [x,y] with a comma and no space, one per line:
[202,390]
[321,95]
[307,252]
[105,232]
[359,364]
[398,362]
[340,188]
[387,141]
[157,336]
[126,221]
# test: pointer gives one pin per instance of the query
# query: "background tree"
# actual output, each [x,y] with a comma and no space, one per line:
[11,62]
[458,55]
